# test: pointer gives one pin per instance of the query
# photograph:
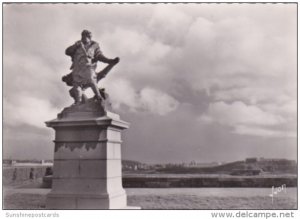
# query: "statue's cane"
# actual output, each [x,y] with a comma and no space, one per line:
[104,72]
[68,79]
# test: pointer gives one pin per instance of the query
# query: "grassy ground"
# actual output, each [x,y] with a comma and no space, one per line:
[195,202]
[183,198]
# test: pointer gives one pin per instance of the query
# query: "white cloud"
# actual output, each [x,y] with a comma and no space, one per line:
[125,42]
[168,24]
[157,102]
[240,113]
[142,57]
[247,119]
[122,92]
[148,99]
[240,57]
[286,109]
[28,110]
[252,93]
[263,132]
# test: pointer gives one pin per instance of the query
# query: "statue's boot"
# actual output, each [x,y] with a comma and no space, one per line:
[84,98]
[76,95]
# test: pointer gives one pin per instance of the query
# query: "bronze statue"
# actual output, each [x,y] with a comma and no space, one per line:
[85,54]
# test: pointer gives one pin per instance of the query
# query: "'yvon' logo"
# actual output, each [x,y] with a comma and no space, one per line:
[277,190]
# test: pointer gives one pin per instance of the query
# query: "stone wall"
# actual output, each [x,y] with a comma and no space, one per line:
[19,174]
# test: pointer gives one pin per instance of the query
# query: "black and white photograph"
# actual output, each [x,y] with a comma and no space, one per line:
[150,106]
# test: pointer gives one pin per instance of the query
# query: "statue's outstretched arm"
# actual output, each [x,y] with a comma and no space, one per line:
[102,58]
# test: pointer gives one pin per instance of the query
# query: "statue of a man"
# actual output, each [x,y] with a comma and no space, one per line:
[85,53]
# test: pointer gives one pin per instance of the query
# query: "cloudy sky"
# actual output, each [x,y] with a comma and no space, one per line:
[203,82]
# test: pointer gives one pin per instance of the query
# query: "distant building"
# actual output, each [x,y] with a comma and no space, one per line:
[279,165]
[251,160]
[9,162]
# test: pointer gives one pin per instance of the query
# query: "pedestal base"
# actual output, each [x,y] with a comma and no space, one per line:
[81,202]
[87,161]
[88,201]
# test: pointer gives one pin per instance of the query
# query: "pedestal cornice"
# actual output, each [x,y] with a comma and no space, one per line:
[110,119]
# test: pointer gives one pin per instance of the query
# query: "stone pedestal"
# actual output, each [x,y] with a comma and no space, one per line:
[87,160]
